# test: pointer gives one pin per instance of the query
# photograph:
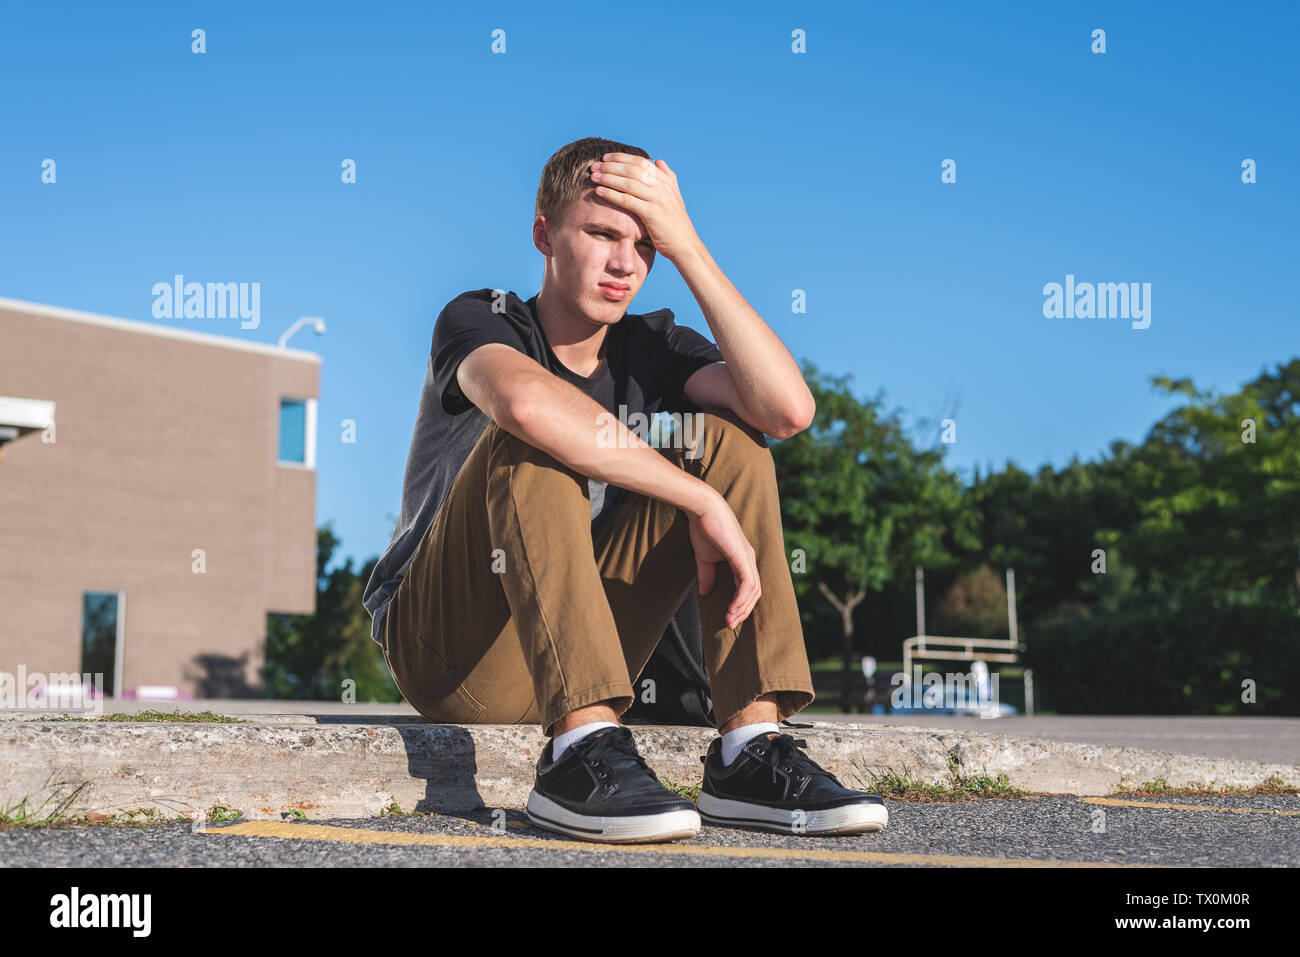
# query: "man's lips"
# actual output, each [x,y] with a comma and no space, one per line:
[617,285]
[615,290]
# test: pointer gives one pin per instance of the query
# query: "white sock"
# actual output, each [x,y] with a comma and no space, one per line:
[562,741]
[735,740]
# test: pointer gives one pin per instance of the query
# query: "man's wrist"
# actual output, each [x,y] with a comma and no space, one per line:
[702,498]
[694,254]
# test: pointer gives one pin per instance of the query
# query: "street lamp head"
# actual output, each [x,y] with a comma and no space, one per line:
[317,323]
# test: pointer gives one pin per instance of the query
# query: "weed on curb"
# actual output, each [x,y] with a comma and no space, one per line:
[186,717]
[959,786]
[1159,787]
[689,791]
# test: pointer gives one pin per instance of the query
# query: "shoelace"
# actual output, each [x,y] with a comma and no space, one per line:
[618,750]
[784,750]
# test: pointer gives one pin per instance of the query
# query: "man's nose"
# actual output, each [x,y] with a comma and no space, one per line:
[624,257]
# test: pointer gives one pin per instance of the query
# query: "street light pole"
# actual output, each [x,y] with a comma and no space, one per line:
[320,328]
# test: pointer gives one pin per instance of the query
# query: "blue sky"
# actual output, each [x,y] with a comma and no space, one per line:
[817,171]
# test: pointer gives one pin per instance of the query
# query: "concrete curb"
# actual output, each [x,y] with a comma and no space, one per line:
[333,768]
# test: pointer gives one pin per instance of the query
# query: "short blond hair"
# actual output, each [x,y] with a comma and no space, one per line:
[567,175]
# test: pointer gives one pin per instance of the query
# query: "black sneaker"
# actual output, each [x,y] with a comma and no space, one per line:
[774,786]
[601,789]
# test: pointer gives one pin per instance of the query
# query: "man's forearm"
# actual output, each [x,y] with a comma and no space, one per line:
[566,423]
[766,376]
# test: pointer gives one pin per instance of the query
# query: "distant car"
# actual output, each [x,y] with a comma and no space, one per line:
[157,693]
[948,700]
[57,693]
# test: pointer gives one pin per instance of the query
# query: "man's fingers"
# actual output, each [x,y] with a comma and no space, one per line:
[705,574]
[626,184]
[629,165]
[627,200]
[748,591]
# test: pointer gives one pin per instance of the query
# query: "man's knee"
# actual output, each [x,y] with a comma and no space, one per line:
[531,467]
[722,431]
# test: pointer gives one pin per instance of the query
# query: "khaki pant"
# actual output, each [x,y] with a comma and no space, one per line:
[513,612]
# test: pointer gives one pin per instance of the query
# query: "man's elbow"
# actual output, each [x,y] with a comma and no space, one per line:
[797,418]
[510,414]
[521,410]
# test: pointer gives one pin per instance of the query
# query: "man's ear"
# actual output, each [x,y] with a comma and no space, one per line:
[542,236]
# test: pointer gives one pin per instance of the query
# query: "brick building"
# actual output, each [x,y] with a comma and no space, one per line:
[157,499]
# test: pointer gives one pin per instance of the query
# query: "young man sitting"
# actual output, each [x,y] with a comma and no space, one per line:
[543,546]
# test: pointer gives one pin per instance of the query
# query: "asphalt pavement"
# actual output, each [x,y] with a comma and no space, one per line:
[1232,831]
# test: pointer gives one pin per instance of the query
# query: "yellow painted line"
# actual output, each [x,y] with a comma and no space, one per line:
[1119,802]
[352,835]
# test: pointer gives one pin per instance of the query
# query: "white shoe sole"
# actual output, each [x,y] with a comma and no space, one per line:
[640,828]
[849,819]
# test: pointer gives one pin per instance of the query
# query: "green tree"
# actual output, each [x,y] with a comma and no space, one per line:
[861,505]
[1199,608]
[1047,526]
[975,606]
[1220,483]
[309,657]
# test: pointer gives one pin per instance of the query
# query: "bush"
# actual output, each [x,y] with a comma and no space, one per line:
[1181,653]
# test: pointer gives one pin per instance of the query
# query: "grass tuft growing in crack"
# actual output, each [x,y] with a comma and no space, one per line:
[187,717]
[1159,787]
[689,791]
[959,786]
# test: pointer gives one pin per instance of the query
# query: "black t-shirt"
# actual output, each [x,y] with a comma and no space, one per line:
[648,359]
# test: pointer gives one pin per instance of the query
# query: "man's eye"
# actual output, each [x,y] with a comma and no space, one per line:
[645,245]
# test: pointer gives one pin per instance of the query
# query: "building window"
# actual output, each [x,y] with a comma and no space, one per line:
[102,625]
[298,432]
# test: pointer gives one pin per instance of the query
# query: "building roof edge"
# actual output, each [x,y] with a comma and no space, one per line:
[151,329]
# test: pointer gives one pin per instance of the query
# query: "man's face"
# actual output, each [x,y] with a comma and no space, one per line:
[596,243]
